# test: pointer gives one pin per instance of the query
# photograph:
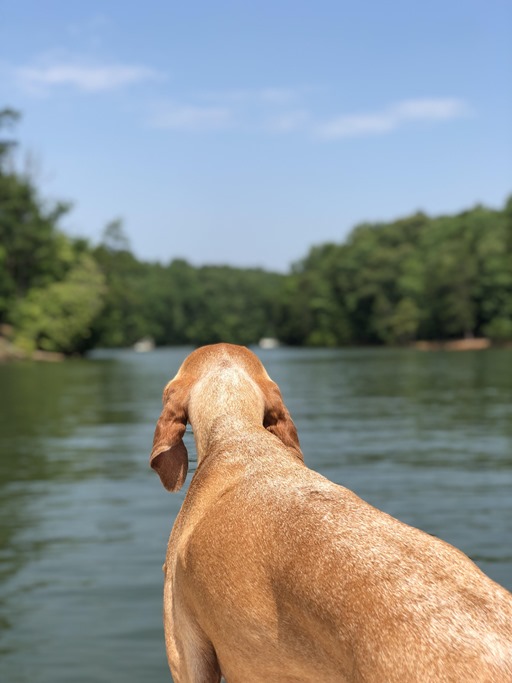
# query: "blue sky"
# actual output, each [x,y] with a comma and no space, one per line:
[246,132]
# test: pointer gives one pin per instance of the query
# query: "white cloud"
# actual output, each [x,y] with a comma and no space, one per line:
[190,117]
[87,78]
[271,96]
[279,110]
[289,121]
[432,109]
[269,108]
[248,108]
[352,126]
[386,120]
[275,110]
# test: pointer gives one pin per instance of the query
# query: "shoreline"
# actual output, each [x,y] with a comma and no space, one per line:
[11,353]
[469,344]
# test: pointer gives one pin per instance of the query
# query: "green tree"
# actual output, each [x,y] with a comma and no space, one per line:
[417,277]
[33,252]
[8,119]
[59,316]
[124,318]
[50,286]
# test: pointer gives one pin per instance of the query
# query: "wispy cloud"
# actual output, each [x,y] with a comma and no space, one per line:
[278,110]
[190,117]
[271,108]
[86,78]
[289,121]
[393,117]
[271,96]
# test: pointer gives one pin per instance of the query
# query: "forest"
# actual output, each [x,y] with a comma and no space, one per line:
[416,278]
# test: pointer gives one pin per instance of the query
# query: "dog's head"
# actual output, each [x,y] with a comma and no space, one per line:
[169,455]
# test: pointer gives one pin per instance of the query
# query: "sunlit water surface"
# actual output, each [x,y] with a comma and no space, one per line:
[84,522]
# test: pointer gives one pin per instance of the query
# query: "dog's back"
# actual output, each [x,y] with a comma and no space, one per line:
[295,578]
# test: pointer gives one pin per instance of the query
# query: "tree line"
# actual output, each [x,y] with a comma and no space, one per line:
[419,277]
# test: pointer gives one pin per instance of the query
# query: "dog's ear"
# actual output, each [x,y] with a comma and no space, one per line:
[277,419]
[169,456]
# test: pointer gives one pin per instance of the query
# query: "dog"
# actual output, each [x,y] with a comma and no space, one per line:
[274,574]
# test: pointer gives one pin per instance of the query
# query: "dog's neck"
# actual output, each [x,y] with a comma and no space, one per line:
[223,404]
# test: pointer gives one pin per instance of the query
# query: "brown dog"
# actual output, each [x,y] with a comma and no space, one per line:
[276,575]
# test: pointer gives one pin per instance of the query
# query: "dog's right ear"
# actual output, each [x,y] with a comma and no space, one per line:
[277,419]
[169,456]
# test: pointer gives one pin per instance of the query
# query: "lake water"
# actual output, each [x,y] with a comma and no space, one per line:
[84,522]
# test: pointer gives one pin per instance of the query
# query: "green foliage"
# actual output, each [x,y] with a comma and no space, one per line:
[499,329]
[51,288]
[233,305]
[418,277]
[124,318]
[33,252]
[8,118]
[180,304]
[59,316]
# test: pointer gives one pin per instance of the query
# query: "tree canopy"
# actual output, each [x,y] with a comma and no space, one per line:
[418,277]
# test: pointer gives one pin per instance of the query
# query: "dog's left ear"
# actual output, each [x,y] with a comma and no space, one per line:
[277,419]
[169,456]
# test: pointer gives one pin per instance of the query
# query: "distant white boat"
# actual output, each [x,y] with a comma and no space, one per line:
[268,343]
[144,344]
